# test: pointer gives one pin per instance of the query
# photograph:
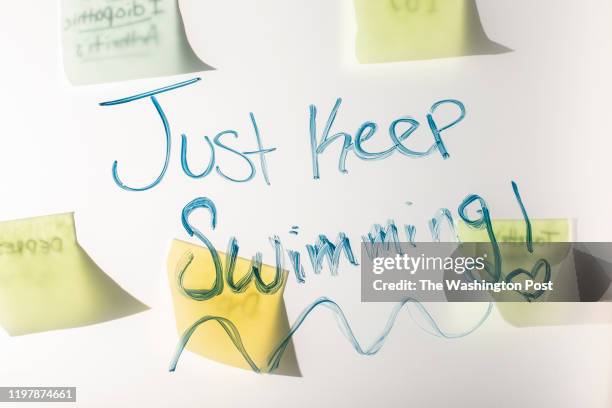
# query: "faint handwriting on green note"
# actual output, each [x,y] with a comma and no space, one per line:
[114,40]
[48,282]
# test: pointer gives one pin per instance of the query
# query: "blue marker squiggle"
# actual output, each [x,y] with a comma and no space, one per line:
[159,178]
[486,223]
[435,223]
[529,239]
[151,93]
[185,164]
[434,126]
[325,248]
[410,233]
[201,294]
[277,353]
[367,131]
[385,237]
[164,119]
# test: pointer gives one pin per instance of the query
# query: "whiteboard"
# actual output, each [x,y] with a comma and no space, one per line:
[537,116]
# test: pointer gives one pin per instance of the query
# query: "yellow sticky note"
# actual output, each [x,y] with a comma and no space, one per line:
[542,230]
[116,40]
[404,30]
[48,282]
[261,319]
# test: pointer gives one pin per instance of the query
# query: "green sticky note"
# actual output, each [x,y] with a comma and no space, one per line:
[115,40]
[544,232]
[551,241]
[404,30]
[48,282]
[505,230]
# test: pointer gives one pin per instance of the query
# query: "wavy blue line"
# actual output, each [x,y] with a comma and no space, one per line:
[345,328]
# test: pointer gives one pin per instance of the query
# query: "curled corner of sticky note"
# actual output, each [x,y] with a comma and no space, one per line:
[48,281]
[406,30]
[204,66]
[108,41]
[260,319]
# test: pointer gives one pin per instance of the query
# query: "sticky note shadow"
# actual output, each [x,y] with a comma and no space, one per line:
[592,282]
[117,40]
[405,30]
[580,276]
[260,319]
[48,282]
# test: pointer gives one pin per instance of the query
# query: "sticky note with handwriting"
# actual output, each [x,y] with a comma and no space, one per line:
[553,241]
[258,318]
[543,231]
[116,40]
[506,230]
[404,30]
[48,282]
